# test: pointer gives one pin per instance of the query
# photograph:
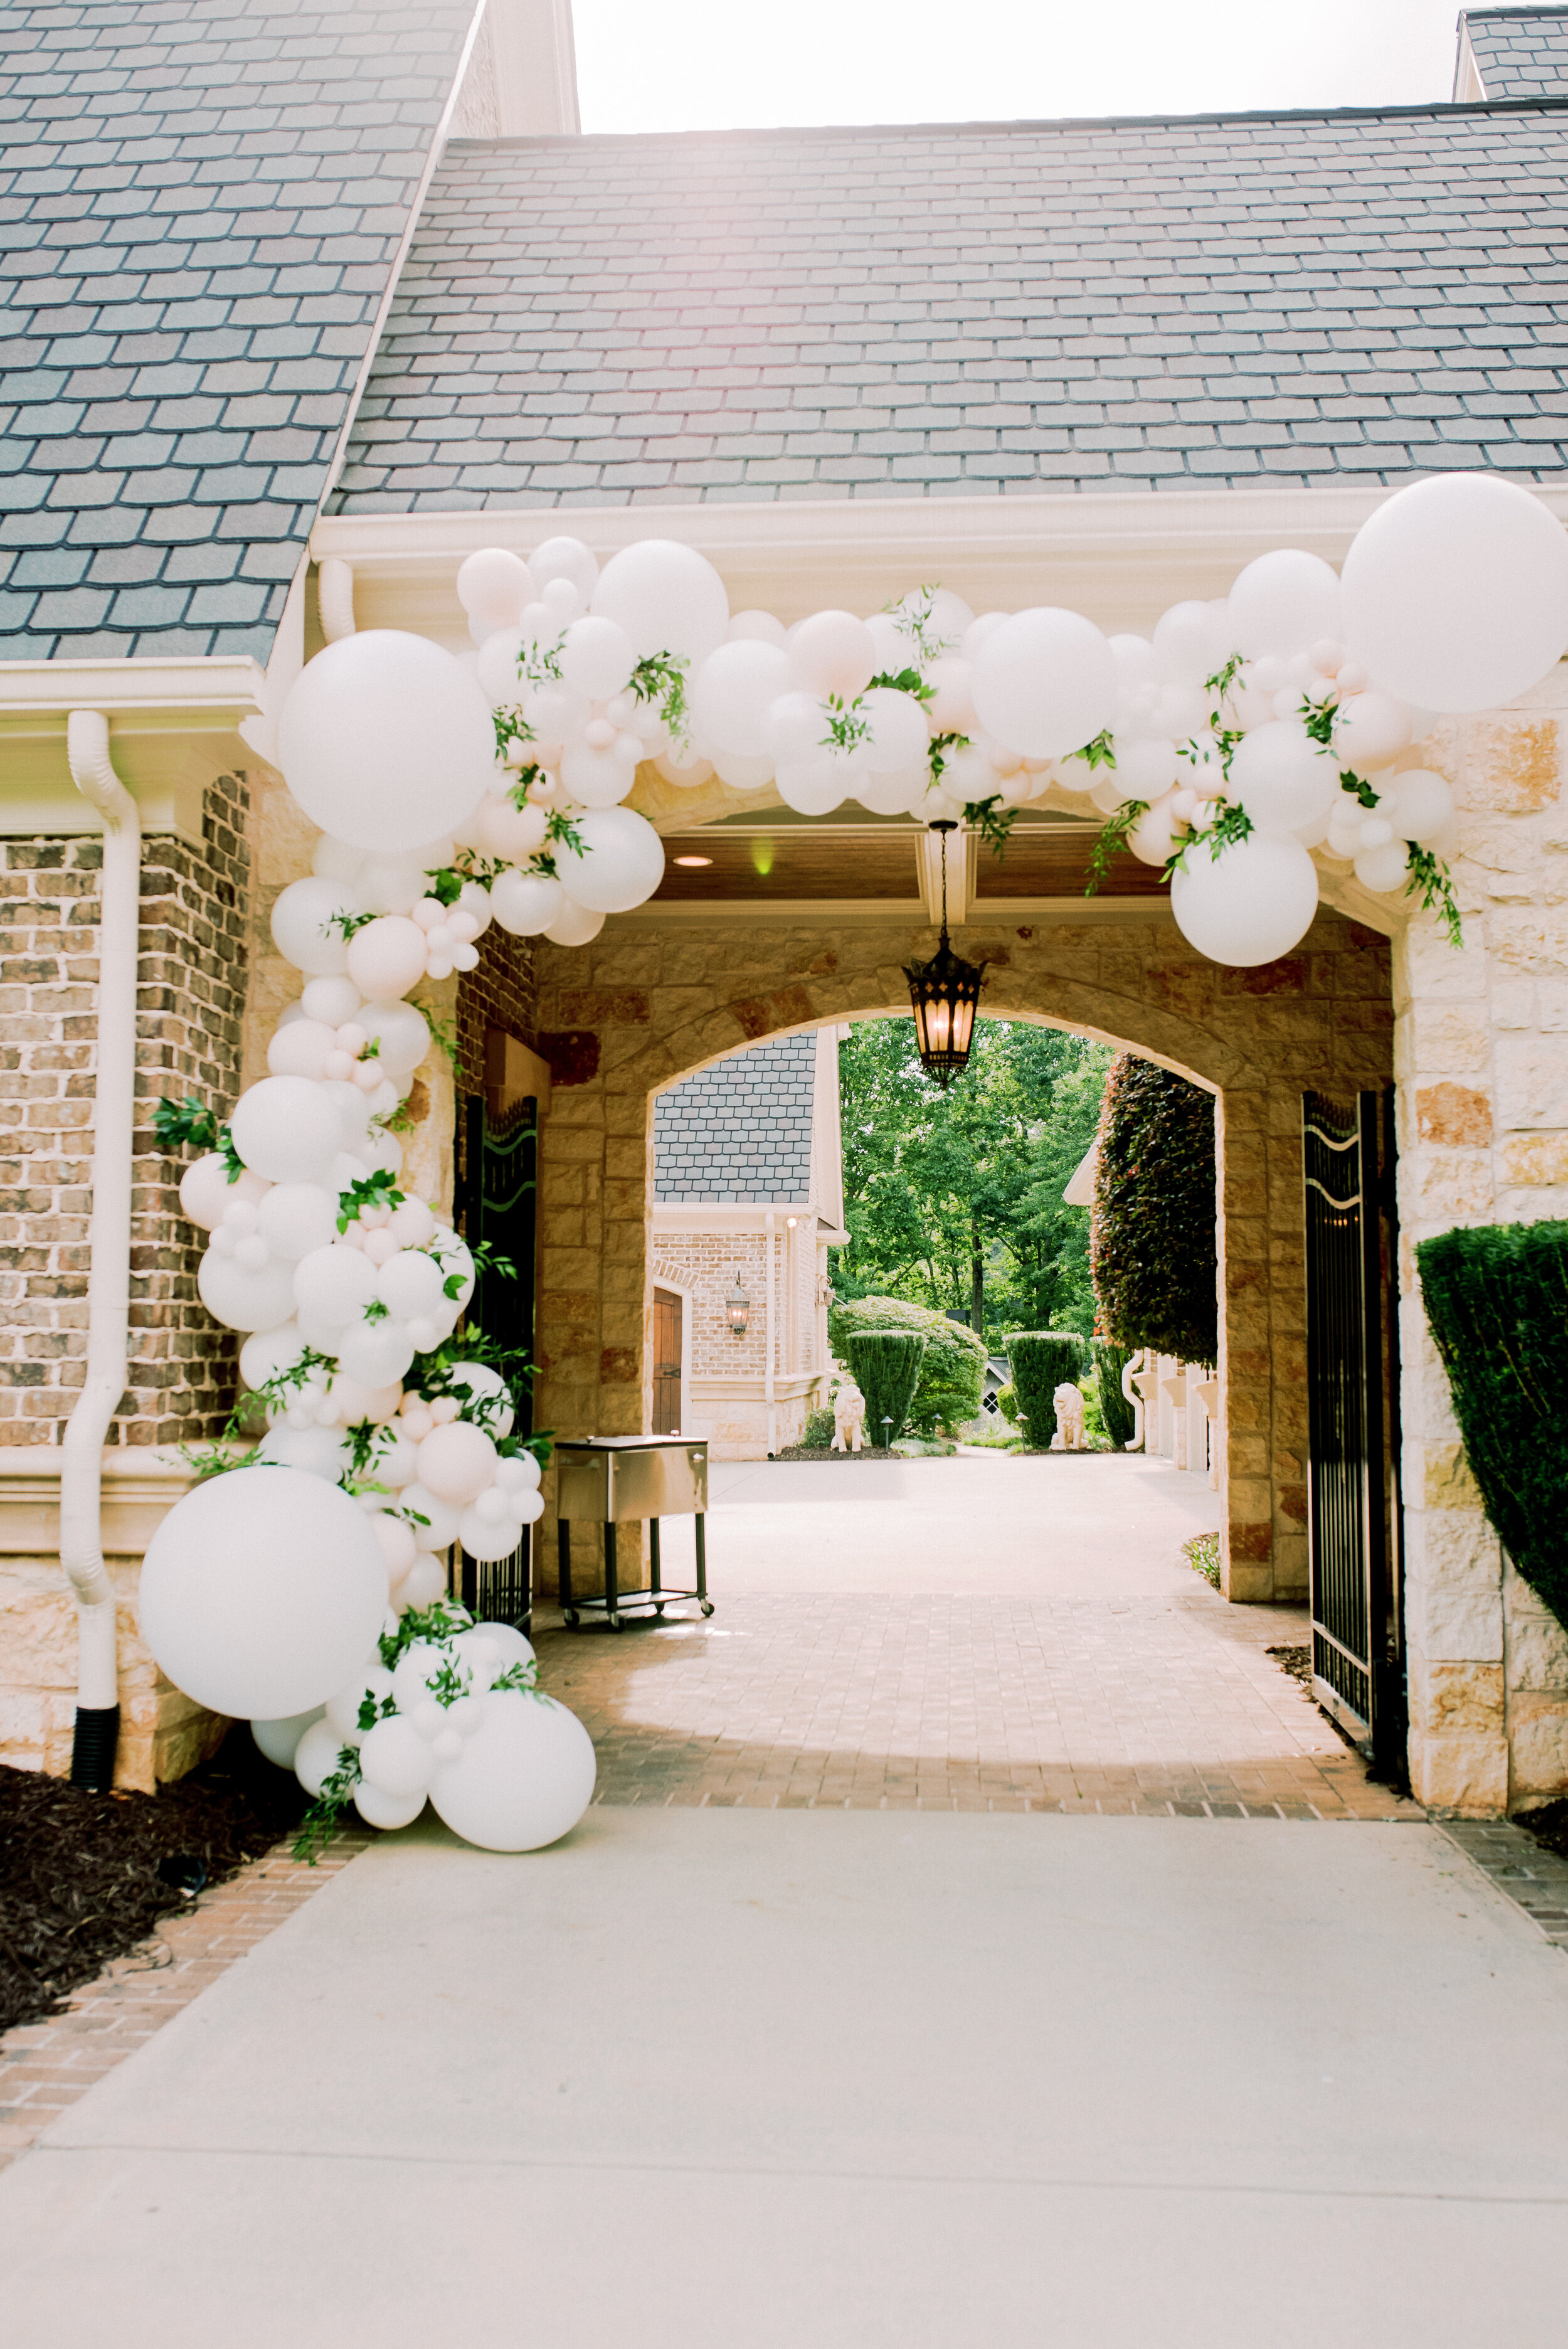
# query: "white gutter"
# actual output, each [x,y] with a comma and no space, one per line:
[108,1276]
[768,1375]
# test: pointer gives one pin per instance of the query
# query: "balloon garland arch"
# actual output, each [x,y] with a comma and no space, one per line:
[453,791]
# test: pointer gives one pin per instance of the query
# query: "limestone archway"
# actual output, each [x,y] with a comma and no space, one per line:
[652,999]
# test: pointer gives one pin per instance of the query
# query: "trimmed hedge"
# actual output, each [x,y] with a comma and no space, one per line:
[1041,1361]
[1007,1403]
[1151,1234]
[952,1371]
[1497,1299]
[1109,1361]
[886,1366]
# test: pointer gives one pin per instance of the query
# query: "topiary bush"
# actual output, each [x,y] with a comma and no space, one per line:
[1497,1299]
[952,1371]
[1041,1361]
[1151,1234]
[1110,1360]
[1007,1404]
[886,1366]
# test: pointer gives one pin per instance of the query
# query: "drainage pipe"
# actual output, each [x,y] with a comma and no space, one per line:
[767,1391]
[109,1276]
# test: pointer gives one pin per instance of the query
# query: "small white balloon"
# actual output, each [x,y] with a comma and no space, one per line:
[1421,805]
[457,1461]
[487,1538]
[297,1217]
[620,862]
[1370,730]
[596,658]
[316,1756]
[1281,778]
[388,956]
[206,1192]
[575,926]
[395,1758]
[379,1809]
[313,1451]
[244,1298]
[733,690]
[1384,868]
[833,653]
[493,586]
[333,1285]
[1284,602]
[525,903]
[409,1285]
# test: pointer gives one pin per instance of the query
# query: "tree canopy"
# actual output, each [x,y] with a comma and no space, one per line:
[955,1198]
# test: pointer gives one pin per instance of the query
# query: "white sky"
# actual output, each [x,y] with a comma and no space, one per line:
[700,64]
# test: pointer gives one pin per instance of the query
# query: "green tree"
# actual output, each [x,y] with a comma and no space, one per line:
[954,1200]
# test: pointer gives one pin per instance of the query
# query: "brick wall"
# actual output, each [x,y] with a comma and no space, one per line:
[499,994]
[195,906]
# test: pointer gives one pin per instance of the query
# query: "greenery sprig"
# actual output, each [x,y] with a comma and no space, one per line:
[912,617]
[1232,825]
[660,678]
[903,681]
[991,821]
[325,1814]
[511,725]
[373,1191]
[346,923]
[1431,885]
[847,728]
[1100,753]
[1111,840]
[182,1125]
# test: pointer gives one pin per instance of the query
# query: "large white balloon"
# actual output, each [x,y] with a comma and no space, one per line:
[295,1217]
[493,586]
[279,1740]
[387,740]
[1420,804]
[242,1300]
[287,1129]
[524,1779]
[388,956]
[668,597]
[526,903]
[334,1284]
[205,1190]
[622,863]
[1044,683]
[1281,778]
[262,1591]
[303,920]
[401,1032]
[1250,905]
[733,690]
[1283,604]
[596,658]
[1456,593]
[899,736]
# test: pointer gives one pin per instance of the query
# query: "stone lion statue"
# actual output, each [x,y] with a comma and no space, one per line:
[1069,1401]
[848,1418]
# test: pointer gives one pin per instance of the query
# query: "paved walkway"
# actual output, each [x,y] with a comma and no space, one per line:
[994,1633]
[741,2080]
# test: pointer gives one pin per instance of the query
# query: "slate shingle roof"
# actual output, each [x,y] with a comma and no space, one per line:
[969,309]
[741,1130]
[201,202]
[1521,52]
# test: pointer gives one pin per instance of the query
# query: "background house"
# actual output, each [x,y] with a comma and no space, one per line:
[749,1196]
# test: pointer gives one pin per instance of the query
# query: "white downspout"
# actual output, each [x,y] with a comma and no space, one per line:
[768,1395]
[109,1276]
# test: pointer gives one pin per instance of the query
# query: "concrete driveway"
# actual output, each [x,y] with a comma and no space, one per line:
[745,2080]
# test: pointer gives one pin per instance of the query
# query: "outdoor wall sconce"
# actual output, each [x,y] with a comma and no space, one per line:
[738,1309]
[943,994]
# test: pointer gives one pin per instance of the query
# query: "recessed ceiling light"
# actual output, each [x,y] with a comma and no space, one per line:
[694,860]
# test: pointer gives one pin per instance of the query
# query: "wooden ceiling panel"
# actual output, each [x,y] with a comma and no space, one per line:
[1052,860]
[802,863]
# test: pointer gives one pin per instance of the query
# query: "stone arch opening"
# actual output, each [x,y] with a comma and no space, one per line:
[651,1001]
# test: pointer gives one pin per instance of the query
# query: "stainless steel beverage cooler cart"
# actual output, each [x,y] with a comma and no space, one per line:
[613,1480]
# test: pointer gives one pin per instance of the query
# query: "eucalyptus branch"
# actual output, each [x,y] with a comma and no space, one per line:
[847,729]
[660,678]
[1111,840]
[1432,886]
[1100,753]
[511,725]
[1230,827]
[325,1814]
[991,821]
[913,619]
[903,681]
[443,1035]
[562,830]
[936,755]
[345,922]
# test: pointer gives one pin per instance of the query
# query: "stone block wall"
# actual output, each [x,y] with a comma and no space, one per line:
[1481,1052]
[191,990]
[649,1002]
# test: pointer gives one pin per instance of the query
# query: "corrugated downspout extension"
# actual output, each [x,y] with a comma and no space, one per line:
[108,1276]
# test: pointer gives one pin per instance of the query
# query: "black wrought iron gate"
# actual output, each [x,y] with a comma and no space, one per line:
[499,1205]
[1352,1403]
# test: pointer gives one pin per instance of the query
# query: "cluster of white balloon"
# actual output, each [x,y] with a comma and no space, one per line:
[264,1595]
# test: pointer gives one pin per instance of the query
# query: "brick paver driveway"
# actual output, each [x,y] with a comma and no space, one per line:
[981,1633]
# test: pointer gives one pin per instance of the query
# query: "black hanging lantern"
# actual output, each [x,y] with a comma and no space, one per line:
[944,994]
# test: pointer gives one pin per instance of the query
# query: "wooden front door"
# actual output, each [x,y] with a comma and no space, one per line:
[666,1363]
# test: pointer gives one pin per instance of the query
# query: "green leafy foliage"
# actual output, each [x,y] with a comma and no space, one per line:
[1152,1237]
[346,923]
[952,1374]
[1232,824]
[181,1125]
[661,677]
[325,1813]
[378,1190]
[1432,887]
[991,821]
[1041,1361]
[1111,841]
[1497,1299]
[1007,1403]
[885,1365]
[816,1436]
[1100,753]
[948,1196]
[847,730]
[1116,1412]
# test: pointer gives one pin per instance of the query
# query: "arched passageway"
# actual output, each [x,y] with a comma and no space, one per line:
[654,999]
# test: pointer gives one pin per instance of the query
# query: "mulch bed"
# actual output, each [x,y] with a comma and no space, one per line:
[85,1877]
[1549,1826]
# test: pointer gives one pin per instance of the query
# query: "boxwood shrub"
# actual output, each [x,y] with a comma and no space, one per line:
[1041,1361]
[886,1367]
[952,1371]
[1151,1234]
[1110,1360]
[1497,1299]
